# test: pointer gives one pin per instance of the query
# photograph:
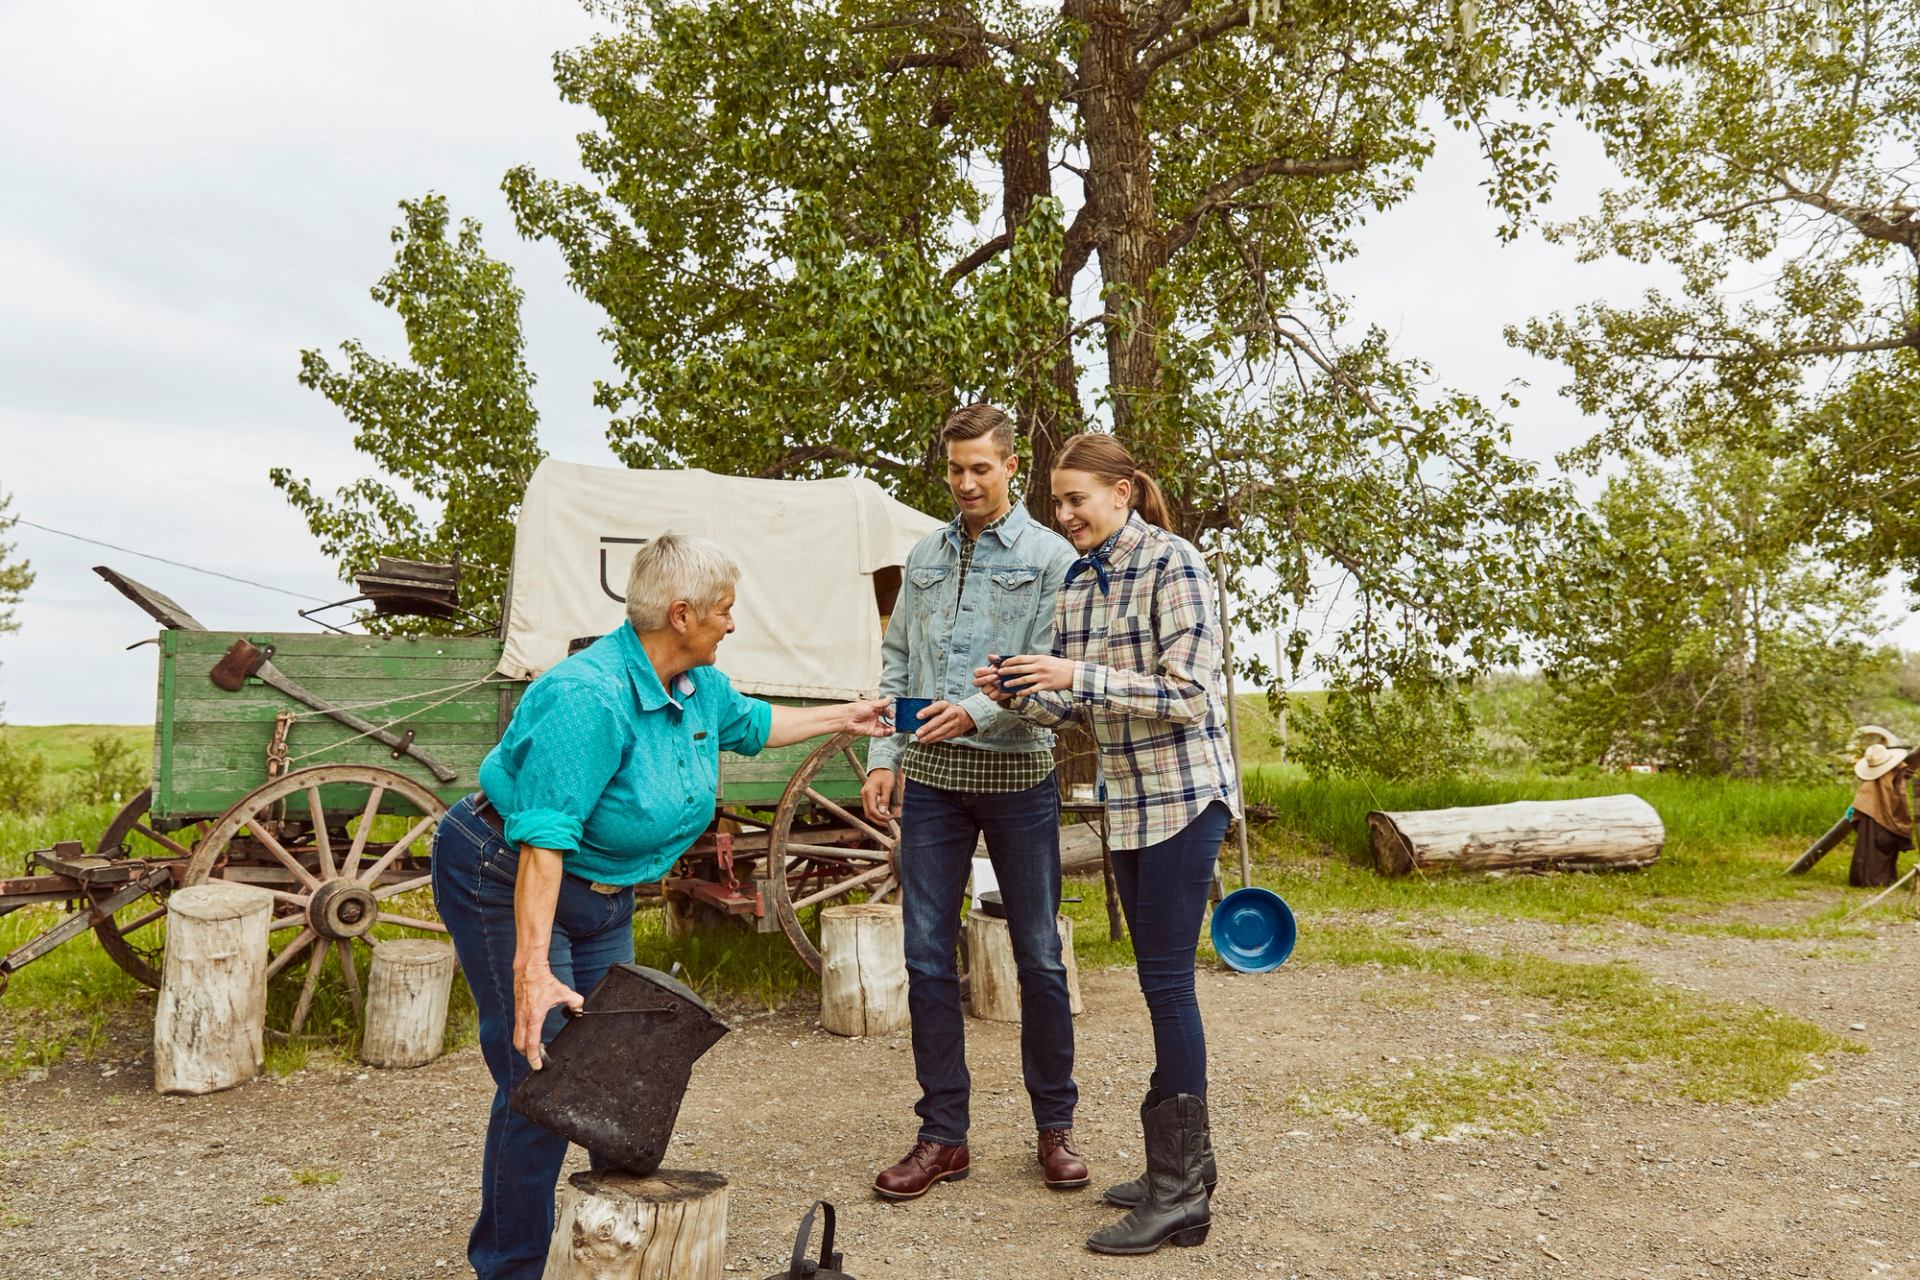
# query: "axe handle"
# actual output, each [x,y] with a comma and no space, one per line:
[274,677]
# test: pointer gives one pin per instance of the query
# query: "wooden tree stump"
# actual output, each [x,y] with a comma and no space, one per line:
[1601,833]
[993,980]
[669,1225]
[209,1025]
[407,990]
[863,969]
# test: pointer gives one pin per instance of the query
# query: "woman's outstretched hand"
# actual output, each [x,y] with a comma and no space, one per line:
[869,717]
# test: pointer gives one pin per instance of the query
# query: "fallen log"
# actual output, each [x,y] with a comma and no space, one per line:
[1600,833]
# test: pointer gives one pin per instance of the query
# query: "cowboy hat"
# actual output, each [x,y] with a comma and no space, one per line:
[1877,760]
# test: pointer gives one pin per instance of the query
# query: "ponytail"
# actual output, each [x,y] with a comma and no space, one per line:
[1105,458]
[1149,501]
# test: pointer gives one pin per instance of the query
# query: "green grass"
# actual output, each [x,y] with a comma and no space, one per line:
[1727,841]
[66,746]
[315,1177]
[1477,1098]
[1709,1050]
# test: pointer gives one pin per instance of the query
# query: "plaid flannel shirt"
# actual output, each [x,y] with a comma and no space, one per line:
[1147,681]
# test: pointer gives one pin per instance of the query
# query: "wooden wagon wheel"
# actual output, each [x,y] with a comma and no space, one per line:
[331,879]
[820,849]
[135,936]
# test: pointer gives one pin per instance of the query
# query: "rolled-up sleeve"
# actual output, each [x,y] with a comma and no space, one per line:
[744,722]
[570,743]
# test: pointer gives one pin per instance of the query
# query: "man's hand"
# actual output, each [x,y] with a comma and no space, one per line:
[987,680]
[876,796]
[535,992]
[944,720]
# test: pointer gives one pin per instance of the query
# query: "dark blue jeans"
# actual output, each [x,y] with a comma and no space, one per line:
[473,874]
[1163,890]
[938,831]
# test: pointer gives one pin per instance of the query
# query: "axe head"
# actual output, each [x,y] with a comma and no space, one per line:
[241,661]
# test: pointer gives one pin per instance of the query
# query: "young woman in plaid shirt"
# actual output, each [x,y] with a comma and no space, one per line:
[1137,658]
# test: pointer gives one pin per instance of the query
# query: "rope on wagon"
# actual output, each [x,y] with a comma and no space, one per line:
[455,689]
[334,746]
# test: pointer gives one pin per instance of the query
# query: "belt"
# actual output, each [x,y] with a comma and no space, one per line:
[484,810]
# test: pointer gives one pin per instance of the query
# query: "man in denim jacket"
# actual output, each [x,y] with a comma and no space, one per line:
[984,584]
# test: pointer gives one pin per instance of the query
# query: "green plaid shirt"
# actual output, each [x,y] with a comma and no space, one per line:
[952,766]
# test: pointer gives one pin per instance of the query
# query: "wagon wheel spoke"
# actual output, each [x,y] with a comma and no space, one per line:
[349,974]
[279,851]
[321,841]
[404,886]
[350,861]
[285,922]
[411,922]
[288,952]
[399,847]
[315,964]
[142,921]
[174,849]
[873,833]
[843,886]
[839,852]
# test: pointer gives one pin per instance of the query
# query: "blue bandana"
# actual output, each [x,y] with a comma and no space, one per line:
[1096,560]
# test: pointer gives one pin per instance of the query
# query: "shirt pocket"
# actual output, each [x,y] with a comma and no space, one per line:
[927,626]
[1131,645]
[1012,601]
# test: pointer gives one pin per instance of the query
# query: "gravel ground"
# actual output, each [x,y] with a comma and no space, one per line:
[341,1172]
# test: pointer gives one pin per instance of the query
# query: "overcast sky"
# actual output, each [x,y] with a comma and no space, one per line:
[193,192]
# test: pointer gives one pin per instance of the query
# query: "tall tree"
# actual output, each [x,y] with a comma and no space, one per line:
[1703,634]
[454,424]
[1770,158]
[814,225]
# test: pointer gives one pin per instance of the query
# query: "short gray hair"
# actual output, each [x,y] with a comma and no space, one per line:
[676,566]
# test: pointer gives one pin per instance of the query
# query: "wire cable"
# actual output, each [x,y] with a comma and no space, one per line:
[178,564]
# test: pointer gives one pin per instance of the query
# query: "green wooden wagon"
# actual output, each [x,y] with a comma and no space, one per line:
[316,766]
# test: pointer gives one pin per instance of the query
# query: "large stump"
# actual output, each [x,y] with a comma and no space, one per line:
[1602,833]
[209,1025]
[407,991]
[863,969]
[993,980]
[668,1225]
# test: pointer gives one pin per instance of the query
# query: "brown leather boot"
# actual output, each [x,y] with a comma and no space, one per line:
[1061,1162]
[926,1164]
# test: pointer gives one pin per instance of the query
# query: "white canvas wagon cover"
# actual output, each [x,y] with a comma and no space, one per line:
[808,625]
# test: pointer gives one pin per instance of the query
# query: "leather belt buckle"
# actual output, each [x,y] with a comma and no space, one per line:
[608,889]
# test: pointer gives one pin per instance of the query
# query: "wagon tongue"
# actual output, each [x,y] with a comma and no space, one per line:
[615,1075]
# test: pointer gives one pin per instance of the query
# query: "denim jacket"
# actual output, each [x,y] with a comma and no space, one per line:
[937,636]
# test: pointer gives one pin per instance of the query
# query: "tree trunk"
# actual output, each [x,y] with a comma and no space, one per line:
[408,986]
[1126,231]
[863,970]
[1049,408]
[209,1025]
[993,981]
[1617,833]
[615,1226]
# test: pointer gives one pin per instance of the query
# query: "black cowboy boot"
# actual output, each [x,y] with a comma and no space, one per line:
[1175,1204]
[1129,1194]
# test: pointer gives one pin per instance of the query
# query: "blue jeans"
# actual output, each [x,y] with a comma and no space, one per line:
[938,832]
[1163,891]
[473,875]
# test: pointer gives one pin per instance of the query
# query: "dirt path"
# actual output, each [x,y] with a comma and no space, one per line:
[342,1173]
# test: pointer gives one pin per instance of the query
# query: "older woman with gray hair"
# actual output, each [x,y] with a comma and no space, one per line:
[606,775]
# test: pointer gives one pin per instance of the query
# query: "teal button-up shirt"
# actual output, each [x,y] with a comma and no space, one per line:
[604,765]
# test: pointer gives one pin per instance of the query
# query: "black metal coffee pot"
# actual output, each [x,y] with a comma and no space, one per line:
[617,1072]
[802,1267]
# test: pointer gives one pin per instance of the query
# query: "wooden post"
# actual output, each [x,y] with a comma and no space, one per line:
[863,969]
[1595,834]
[669,1225]
[407,990]
[993,981]
[209,1024]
